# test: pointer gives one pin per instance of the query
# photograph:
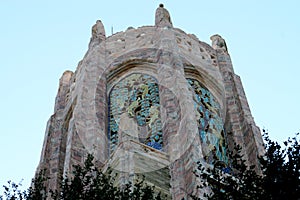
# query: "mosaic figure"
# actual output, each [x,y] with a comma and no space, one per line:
[210,124]
[134,112]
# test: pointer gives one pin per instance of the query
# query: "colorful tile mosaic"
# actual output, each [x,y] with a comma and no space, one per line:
[134,111]
[210,124]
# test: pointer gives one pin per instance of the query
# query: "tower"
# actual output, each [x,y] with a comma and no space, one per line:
[152,100]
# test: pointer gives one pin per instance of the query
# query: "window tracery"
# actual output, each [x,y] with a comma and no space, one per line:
[210,124]
[134,111]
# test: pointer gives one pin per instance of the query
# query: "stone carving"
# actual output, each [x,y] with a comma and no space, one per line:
[218,42]
[98,31]
[128,127]
[162,17]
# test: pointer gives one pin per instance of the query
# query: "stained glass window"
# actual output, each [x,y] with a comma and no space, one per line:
[134,111]
[210,124]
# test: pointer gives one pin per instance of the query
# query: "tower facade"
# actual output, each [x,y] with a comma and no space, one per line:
[152,100]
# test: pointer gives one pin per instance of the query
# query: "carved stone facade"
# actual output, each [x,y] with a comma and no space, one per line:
[151,100]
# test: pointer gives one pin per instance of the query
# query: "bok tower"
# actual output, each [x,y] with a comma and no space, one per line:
[152,100]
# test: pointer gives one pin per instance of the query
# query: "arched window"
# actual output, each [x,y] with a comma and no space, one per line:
[134,111]
[210,124]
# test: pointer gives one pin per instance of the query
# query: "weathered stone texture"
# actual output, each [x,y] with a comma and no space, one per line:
[132,160]
[162,17]
[80,123]
[240,123]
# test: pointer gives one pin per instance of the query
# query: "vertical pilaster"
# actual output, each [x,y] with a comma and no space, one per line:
[178,117]
[240,125]
[54,148]
[87,128]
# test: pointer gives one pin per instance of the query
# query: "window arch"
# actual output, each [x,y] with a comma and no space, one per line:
[134,111]
[210,124]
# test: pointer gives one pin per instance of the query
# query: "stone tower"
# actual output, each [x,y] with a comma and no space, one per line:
[152,100]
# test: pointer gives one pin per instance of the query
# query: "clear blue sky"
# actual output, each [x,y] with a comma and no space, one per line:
[41,39]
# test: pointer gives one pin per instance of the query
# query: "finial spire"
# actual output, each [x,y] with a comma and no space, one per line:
[162,17]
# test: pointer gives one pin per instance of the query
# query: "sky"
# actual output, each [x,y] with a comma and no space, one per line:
[39,40]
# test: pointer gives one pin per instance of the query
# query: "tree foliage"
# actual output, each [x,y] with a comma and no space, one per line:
[277,178]
[86,183]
